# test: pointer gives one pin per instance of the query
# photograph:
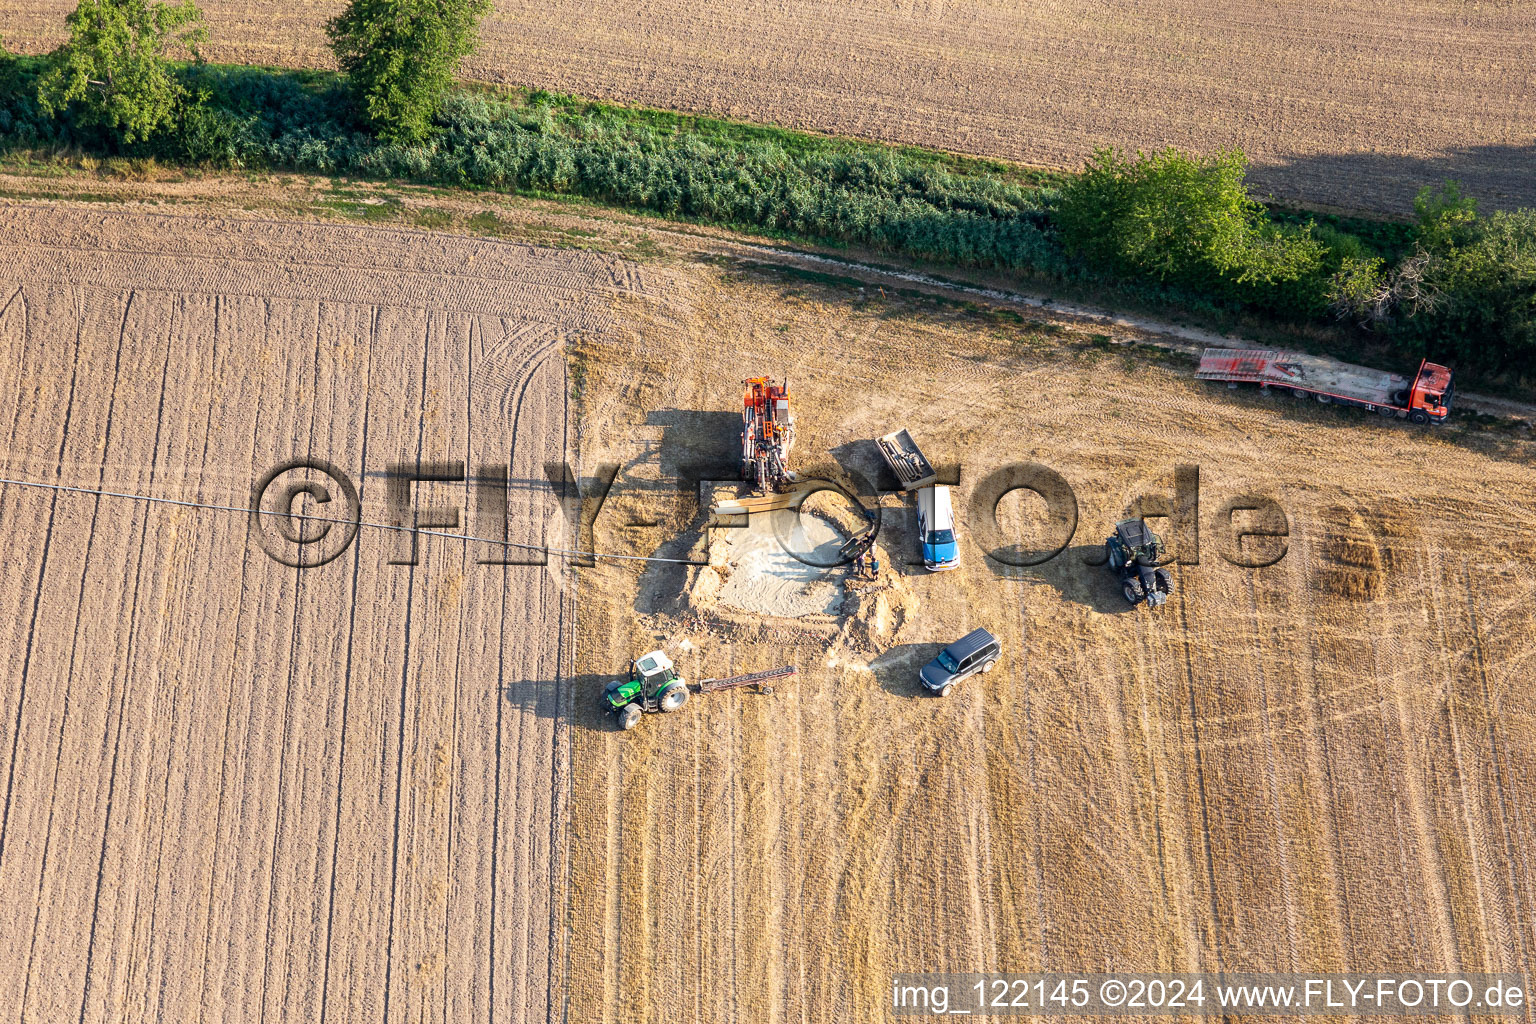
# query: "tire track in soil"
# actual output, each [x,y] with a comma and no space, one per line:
[274,895]
[113,996]
[52,788]
[42,571]
[34,691]
[203,783]
[1514,853]
[1473,842]
[1414,745]
[346,698]
[220,327]
[1212,940]
[405,661]
[80,622]
[156,971]
[1271,771]
[546,705]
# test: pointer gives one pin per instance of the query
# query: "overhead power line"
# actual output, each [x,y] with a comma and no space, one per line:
[360,523]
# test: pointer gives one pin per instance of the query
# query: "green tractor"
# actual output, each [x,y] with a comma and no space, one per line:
[653,685]
[1134,551]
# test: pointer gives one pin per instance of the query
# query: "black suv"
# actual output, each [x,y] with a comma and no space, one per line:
[977,651]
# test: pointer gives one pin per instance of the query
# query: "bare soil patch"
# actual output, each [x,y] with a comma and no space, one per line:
[1280,769]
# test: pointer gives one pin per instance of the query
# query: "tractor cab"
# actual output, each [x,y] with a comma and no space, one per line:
[653,685]
[1133,551]
[1134,541]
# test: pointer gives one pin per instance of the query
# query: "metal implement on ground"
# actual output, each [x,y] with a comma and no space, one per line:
[767,434]
[756,679]
[906,460]
[1426,398]
[758,503]
[653,686]
[1134,551]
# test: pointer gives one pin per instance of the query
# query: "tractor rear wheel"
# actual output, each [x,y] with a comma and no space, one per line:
[674,697]
[629,717]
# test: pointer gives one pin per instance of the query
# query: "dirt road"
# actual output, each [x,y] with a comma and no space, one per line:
[236,790]
[1353,102]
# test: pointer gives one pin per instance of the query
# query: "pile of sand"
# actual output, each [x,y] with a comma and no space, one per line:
[781,564]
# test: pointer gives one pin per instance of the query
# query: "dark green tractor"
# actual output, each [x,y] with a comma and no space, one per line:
[653,685]
[1134,551]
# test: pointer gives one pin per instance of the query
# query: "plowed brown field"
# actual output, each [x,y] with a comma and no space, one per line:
[383,792]
[1352,102]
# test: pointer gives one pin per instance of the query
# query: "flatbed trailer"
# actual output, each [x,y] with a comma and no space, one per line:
[906,460]
[1424,398]
[756,679]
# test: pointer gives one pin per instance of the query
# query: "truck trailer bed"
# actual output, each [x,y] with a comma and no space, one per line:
[906,460]
[1304,372]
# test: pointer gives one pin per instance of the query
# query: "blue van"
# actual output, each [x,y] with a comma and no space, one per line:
[936,528]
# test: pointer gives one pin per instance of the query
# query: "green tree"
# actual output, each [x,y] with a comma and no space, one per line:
[1446,217]
[400,57]
[115,66]
[1180,218]
[1479,297]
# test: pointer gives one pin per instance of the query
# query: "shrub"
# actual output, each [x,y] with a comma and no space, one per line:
[1358,291]
[1479,305]
[1446,217]
[114,74]
[1183,220]
[400,57]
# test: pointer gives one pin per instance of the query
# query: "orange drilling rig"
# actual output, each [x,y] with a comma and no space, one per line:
[767,434]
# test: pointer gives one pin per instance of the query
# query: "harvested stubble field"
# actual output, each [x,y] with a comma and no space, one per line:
[1352,102]
[1329,764]
[371,791]
[236,790]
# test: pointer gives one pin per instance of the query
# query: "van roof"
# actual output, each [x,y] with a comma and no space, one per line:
[969,644]
[936,497]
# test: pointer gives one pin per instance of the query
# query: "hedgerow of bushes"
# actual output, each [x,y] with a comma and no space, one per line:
[1455,286]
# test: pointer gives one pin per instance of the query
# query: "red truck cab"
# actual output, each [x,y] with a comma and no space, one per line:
[1431,392]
